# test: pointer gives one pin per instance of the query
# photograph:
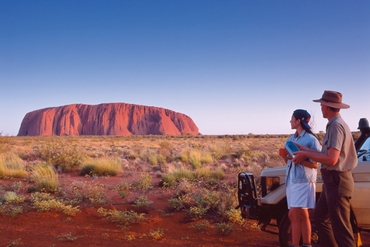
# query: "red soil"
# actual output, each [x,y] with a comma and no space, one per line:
[88,228]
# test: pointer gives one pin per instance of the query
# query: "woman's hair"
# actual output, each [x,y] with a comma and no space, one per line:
[308,130]
[304,118]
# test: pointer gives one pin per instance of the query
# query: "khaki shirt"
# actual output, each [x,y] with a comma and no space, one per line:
[339,136]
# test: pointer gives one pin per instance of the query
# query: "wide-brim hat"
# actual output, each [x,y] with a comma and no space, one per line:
[332,99]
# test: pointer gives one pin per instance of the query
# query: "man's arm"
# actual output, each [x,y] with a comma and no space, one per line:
[330,158]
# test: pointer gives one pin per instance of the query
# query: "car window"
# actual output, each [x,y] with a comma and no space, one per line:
[366,145]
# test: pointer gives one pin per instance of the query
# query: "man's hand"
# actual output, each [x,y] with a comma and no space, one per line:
[299,157]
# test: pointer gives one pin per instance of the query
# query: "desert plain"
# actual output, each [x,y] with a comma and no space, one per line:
[131,191]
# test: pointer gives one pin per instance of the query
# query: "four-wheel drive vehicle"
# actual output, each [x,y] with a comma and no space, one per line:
[268,205]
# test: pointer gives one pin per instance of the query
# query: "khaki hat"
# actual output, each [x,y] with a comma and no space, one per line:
[332,99]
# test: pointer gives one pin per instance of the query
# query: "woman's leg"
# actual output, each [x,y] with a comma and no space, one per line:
[305,226]
[295,220]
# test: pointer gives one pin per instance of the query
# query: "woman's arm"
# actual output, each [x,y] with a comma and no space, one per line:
[309,164]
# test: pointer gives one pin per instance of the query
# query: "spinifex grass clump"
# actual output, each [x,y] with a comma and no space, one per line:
[106,166]
[45,178]
[11,166]
[170,180]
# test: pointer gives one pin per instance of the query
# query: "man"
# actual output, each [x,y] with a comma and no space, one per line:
[337,157]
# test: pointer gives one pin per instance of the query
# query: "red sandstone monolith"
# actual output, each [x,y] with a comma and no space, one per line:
[118,119]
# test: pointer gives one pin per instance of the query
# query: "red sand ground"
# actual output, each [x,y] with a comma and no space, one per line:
[88,228]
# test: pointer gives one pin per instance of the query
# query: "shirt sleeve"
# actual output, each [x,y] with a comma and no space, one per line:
[336,136]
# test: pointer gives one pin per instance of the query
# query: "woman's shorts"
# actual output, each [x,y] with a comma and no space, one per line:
[301,195]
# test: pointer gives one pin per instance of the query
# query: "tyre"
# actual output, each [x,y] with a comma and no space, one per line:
[285,233]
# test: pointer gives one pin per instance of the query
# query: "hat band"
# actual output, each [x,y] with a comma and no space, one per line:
[338,102]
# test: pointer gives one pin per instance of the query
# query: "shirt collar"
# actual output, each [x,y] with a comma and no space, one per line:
[302,134]
[332,120]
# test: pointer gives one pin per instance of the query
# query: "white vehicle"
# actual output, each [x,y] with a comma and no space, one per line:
[270,208]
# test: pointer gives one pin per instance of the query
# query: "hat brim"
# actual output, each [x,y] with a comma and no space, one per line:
[332,104]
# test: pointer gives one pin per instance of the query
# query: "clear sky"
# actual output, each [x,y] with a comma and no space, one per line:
[234,67]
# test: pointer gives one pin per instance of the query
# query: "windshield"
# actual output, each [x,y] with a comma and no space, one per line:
[366,145]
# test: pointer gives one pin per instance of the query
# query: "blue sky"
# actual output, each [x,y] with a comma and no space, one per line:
[234,67]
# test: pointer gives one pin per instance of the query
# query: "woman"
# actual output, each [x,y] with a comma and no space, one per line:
[301,179]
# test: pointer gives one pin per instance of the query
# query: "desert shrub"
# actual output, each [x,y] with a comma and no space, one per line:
[233,215]
[156,234]
[109,166]
[10,210]
[144,183]
[68,237]
[201,201]
[228,197]
[17,187]
[45,202]
[197,212]
[197,200]
[204,224]
[225,228]
[62,156]
[142,204]
[89,191]
[10,197]
[11,166]
[244,153]
[176,203]
[122,217]
[129,237]
[161,159]
[165,144]
[123,189]
[45,178]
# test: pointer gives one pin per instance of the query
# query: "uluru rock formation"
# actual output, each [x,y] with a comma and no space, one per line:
[118,119]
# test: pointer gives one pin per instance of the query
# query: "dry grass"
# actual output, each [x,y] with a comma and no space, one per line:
[199,170]
[12,166]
